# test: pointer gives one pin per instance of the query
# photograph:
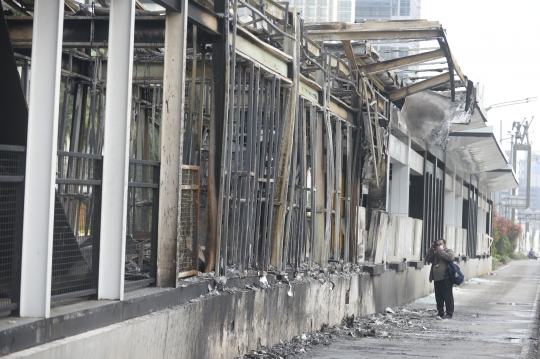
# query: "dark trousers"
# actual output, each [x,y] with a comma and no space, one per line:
[444,294]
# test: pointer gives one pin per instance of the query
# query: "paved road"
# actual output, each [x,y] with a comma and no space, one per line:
[494,317]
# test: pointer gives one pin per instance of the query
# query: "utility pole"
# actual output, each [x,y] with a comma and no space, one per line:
[512,159]
[525,145]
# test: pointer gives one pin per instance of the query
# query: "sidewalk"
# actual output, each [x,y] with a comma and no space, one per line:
[494,317]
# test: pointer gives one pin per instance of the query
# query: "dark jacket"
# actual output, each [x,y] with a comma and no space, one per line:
[434,256]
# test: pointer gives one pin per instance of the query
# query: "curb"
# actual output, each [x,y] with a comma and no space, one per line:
[529,349]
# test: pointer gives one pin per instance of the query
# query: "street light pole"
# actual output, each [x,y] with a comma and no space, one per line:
[511,103]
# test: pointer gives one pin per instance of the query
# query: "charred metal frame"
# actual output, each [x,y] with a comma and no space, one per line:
[12,165]
[282,133]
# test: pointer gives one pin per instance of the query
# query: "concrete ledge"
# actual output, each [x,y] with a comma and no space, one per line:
[373,269]
[86,315]
[217,325]
[398,266]
[227,324]
[416,264]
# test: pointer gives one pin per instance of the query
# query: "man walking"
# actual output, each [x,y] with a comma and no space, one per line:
[439,256]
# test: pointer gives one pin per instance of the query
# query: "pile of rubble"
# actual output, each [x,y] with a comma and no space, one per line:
[392,324]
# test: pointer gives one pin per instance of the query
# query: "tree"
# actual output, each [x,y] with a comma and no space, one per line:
[505,235]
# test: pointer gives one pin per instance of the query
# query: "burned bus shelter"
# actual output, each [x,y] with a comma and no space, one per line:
[231,140]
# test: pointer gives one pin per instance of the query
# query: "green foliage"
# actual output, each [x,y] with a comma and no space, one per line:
[495,262]
[505,259]
[518,255]
[505,237]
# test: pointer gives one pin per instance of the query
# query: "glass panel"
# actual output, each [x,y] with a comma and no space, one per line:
[345,6]
[405,8]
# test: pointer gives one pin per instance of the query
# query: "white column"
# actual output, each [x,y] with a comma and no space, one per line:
[115,150]
[38,219]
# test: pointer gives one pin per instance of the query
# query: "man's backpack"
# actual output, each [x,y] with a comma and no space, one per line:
[454,273]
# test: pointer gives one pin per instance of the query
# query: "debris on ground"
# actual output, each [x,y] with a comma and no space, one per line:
[391,324]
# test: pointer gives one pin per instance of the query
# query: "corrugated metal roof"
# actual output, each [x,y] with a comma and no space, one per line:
[478,149]
[501,179]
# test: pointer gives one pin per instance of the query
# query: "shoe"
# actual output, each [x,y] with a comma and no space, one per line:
[440,315]
[446,316]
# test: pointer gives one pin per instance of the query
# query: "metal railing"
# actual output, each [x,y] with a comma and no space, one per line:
[12,168]
[76,225]
[142,216]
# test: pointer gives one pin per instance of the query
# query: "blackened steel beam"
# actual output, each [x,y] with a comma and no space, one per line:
[203,18]
[149,30]
[448,55]
[401,62]
[218,121]
[292,47]
[77,33]
[170,5]
[420,86]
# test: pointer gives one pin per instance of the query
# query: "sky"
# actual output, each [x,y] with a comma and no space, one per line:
[497,44]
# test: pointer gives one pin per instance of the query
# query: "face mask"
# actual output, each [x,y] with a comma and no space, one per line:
[441,246]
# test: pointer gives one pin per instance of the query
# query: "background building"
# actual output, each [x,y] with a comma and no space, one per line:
[366,10]
[387,10]
[325,10]
[357,10]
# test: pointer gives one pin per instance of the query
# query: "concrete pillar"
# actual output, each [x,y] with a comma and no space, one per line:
[449,213]
[172,144]
[458,216]
[450,204]
[399,200]
[38,218]
[116,150]
[458,204]
[399,205]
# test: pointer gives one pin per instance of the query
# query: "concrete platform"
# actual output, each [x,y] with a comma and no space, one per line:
[496,316]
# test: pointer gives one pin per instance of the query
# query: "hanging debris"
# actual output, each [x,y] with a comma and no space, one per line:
[428,116]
